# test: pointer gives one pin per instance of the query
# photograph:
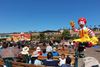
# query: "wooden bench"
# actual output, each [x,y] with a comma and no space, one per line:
[42,58]
[1,62]
[18,64]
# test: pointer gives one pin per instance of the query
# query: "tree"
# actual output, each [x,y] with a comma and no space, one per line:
[99,27]
[42,36]
[66,34]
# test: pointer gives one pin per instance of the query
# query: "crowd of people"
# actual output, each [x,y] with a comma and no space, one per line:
[37,53]
[43,53]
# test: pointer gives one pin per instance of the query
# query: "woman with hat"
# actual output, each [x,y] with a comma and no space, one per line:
[36,54]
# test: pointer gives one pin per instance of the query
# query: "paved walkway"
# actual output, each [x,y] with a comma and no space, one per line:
[90,52]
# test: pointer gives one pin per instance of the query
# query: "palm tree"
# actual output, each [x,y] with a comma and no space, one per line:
[94,28]
[90,27]
[99,27]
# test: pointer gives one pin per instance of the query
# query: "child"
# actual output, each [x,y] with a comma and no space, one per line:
[67,63]
[62,59]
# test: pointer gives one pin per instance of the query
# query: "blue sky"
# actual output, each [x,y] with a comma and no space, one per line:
[39,15]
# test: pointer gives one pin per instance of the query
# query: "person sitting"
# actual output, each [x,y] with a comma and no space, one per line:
[44,53]
[62,59]
[68,62]
[37,61]
[6,54]
[36,54]
[48,48]
[49,61]
[25,54]
[54,52]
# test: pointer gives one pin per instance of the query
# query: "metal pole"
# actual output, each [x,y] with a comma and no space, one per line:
[76,57]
